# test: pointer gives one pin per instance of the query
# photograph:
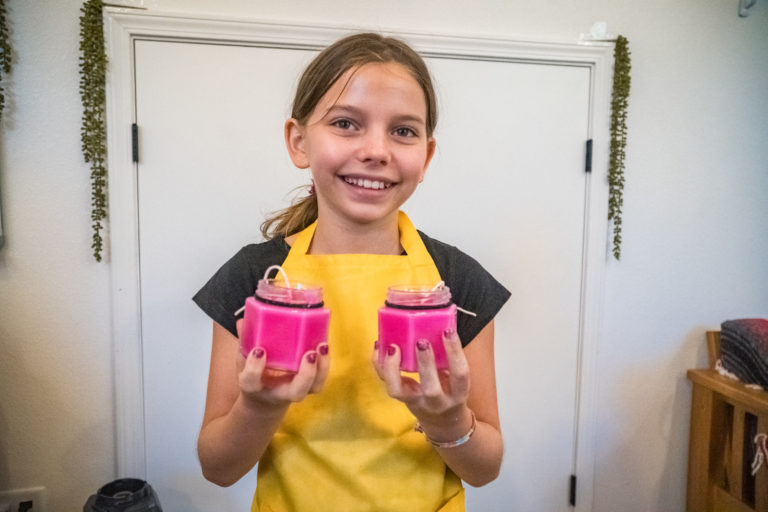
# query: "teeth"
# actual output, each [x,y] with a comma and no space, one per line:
[365,183]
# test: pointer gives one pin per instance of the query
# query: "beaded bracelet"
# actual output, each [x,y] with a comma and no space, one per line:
[450,444]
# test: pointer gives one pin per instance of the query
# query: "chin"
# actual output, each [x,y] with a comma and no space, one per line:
[369,215]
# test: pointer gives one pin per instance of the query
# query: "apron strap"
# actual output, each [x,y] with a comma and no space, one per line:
[303,240]
[412,243]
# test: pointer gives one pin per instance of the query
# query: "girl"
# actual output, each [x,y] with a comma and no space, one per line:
[339,433]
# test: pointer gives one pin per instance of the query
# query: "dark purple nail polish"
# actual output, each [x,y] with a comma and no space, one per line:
[376,345]
[391,350]
[448,333]
[312,357]
[323,349]
[422,345]
[258,352]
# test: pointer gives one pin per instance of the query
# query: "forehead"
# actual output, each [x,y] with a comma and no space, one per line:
[376,84]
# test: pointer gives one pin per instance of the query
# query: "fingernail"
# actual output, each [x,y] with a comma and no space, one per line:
[312,357]
[422,345]
[258,352]
[376,345]
[391,350]
[323,349]
[449,332]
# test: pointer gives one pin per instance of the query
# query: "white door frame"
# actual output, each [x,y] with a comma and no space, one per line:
[123,27]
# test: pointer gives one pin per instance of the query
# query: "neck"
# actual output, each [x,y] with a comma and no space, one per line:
[381,237]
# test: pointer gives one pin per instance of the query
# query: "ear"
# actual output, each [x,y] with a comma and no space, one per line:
[431,145]
[296,142]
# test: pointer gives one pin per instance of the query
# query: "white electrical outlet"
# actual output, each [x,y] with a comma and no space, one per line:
[23,500]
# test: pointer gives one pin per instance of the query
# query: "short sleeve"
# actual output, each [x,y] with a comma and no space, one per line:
[472,287]
[236,280]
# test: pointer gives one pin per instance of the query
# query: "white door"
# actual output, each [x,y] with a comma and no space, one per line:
[507,186]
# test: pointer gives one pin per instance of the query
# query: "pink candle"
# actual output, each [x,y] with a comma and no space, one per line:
[286,321]
[412,313]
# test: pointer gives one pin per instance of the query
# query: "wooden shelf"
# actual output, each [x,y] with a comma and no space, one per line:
[755,399]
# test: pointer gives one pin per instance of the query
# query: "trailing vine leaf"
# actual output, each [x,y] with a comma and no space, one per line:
[5,53]
[93,67]
[619,102]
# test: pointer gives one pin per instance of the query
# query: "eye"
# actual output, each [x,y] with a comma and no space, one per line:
[404,131]
[344,124]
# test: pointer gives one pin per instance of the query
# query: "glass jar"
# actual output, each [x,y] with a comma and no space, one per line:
[286,320]
[411,313]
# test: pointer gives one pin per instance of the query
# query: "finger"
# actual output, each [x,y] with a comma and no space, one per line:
[302,381]
[323,367]
[239,329]
[375,357]
[243,349]
[457,365]
[411,391]
[273,378]
[389,371]
[250,377]
[430,382]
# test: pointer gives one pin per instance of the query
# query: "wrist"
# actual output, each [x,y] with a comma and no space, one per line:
[449,430]
[264,409]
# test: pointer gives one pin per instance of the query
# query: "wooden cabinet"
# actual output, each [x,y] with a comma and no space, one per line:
[725,418]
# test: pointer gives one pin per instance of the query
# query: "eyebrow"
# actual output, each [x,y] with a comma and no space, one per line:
[341,108]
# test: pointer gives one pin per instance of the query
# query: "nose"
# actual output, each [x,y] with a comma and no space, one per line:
[375,147]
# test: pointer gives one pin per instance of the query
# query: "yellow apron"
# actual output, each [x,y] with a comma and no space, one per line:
[351,447]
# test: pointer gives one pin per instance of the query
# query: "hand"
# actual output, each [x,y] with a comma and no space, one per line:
[439,400]
[266,386]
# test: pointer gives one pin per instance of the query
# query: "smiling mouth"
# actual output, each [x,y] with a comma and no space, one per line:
[366,183]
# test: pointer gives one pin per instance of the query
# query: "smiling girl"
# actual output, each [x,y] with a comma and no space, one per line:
[339,433]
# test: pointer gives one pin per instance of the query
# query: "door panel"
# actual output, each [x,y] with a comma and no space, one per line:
[506,186]
[212,164]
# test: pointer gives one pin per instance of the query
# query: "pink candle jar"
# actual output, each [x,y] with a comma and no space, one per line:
[412,313]
[286,320]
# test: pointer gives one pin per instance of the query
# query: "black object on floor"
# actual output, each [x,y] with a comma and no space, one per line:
[124,495]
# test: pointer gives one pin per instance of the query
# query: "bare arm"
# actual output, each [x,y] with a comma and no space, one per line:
[444,402]
[245,404]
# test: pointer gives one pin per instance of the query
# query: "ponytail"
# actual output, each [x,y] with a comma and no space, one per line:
[301,213]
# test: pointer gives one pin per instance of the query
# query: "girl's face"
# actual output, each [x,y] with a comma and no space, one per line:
[365,144]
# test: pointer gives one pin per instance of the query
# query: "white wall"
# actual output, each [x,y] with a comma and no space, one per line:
[695,232]
[56,417]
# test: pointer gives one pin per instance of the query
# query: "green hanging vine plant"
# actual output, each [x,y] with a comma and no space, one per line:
[619,102]
[5,53]
[93,67]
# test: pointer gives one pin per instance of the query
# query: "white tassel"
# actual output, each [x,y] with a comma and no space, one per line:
[725,373]
[761,452]
[722,371]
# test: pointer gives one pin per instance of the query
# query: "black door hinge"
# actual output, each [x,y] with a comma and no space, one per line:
[572,493]
[135,142]
[588,159]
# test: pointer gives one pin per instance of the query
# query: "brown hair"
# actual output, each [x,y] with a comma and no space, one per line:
[335,60]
